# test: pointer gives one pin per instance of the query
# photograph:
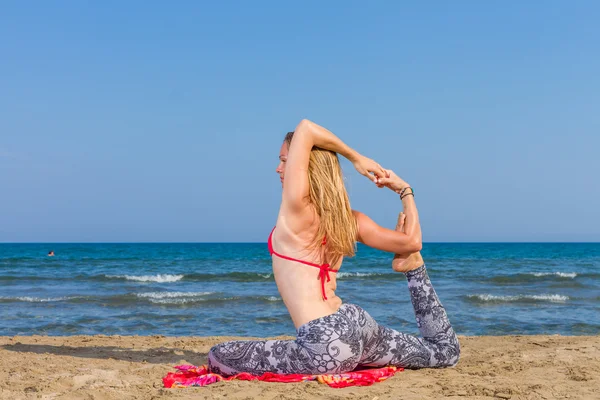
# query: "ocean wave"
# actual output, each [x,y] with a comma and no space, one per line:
[30,299]
[358,274]
[131,299]
[559,274]
[534,277]
[175,301]
[148,278]
[193,277]
[490,298]
[231,276]
[210,301]
[171,295]
[196,277]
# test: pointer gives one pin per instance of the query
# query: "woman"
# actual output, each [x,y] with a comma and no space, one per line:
[315,229]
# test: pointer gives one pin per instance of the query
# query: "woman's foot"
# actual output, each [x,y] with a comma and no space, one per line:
[405,262]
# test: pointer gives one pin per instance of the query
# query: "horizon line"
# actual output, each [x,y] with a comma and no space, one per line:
[432,242]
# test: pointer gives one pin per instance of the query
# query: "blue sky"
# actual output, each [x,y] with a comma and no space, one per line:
[156,121]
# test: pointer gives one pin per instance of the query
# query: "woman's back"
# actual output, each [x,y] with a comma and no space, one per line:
[308,291]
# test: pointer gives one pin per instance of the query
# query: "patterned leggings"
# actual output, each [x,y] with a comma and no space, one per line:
[347,339]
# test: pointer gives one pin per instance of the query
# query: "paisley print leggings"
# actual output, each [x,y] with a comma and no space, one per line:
[348,339]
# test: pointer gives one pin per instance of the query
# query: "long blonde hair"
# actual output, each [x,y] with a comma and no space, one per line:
[329,197]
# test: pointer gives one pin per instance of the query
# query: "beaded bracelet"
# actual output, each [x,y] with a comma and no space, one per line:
[404,190]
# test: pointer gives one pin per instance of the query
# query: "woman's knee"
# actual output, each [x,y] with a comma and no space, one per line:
[217,361]
[212,359]
[448,354]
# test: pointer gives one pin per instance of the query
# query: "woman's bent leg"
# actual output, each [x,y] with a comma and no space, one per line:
[438,346]
[253,356]
[331,344]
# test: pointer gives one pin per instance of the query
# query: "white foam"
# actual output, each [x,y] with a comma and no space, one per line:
[149,278]
[265,275]
[171,295]
[191,297]
[561,274]
[36,299]
[344,274]
[554,298]
[173,301]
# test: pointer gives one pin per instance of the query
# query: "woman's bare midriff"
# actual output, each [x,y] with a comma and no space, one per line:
[300,289]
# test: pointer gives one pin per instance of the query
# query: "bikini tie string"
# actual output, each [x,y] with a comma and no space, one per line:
[324,273]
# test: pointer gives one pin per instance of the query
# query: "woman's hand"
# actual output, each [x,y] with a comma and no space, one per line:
[392,181]
[369,168]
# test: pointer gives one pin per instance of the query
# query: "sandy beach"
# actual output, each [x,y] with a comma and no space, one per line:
[131,367]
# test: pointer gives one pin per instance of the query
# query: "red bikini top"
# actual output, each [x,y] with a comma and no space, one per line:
[324,269]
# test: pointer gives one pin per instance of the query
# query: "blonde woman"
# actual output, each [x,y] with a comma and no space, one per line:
[315,229]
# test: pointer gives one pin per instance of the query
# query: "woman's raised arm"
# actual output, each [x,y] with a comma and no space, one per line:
[402,242]
[306,135]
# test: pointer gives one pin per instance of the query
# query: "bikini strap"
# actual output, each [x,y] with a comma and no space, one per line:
[324,269]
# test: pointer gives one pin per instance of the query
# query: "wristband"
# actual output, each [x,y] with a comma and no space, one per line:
[404,190]
[403,195]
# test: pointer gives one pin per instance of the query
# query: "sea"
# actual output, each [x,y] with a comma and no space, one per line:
[209,289]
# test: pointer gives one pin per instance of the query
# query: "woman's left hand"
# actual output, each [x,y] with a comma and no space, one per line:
[369,168]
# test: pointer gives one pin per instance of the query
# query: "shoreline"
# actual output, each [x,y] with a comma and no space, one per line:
[132,367]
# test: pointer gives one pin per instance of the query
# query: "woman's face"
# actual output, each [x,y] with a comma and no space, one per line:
[283,153]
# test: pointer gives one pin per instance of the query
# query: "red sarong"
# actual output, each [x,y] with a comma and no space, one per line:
[190,375]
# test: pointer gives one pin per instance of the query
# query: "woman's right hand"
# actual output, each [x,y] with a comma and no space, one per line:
[392,181]
[369,168]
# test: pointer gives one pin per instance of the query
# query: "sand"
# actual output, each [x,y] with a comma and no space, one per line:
[131,367]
